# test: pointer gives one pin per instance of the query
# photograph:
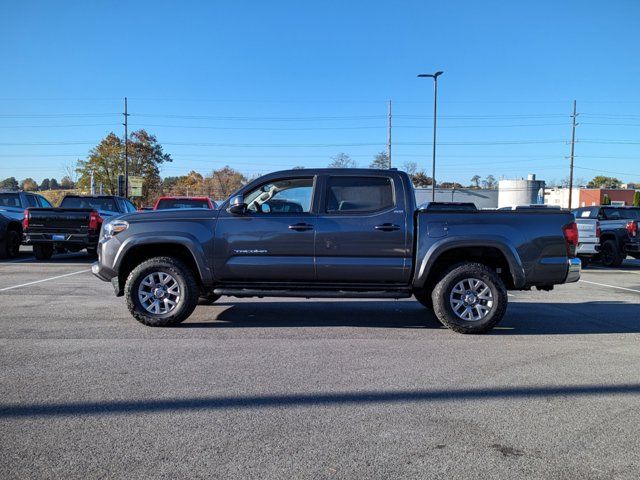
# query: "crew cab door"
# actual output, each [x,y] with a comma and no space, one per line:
[361,230]
[274,240]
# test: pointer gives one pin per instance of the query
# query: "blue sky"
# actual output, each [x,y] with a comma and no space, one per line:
[269,85]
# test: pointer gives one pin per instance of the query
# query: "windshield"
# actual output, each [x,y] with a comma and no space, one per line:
[9,200]
[181,203]
[101,204]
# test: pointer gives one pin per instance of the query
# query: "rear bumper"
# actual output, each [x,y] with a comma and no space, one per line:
[587,249]
[63,239]
[573,270]
[632,247]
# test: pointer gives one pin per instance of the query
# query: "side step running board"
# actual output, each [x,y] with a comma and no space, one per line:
[251,292]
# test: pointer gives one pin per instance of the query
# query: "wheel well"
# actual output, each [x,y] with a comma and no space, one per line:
[136,255]
[17,226]
[492,257]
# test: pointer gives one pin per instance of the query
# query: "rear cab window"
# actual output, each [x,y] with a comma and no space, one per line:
[351,194]
[101,204]
[10,200]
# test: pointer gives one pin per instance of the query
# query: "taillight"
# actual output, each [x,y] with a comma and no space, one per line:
[598,231]
[95,220]
[25,219]
[632,228]
[570,232]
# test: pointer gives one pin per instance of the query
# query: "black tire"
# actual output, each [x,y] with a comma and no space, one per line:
[610,255]
[208,298]
[43,251]
[10,248]
[188,298]
[423,296]
[585,261]
[442,293]
[92,252]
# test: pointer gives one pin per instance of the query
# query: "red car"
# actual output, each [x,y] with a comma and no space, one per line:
[164,203]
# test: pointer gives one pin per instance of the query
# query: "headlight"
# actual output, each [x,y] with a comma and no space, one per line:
[115,227]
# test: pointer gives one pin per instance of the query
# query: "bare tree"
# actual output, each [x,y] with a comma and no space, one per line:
[342,160]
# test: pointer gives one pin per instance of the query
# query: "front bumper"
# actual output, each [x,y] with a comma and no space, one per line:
[573,270]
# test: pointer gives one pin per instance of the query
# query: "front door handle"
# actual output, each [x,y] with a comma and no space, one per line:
[301,227]
[387,227]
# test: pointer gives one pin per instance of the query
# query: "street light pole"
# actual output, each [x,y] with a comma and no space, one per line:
[435,115]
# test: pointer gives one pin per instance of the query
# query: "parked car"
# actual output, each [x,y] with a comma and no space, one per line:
[619,236]
[13,204]
[357,234]
[164,203]
[10,236]
[73,226]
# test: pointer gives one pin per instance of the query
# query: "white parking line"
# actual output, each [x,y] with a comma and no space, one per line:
[619,270]
[44,280]
[33,259]
[610,286]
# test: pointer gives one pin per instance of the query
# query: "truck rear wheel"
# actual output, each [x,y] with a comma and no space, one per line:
[470,298]
[161,292]
[610,255]
[43,251]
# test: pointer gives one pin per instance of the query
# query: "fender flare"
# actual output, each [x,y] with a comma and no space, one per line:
[189,241]
[429,259]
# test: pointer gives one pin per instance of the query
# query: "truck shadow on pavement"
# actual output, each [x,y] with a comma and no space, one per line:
[212,403]
[522,318]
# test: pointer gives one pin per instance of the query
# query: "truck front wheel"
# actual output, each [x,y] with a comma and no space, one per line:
[470,298]
[161,292]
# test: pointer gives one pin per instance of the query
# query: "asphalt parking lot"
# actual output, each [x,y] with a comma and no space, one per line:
[315,389]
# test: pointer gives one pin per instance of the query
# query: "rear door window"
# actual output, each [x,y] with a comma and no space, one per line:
[31,201]
[352,194]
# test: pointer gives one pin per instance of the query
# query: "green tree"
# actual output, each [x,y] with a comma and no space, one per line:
[602,181]
[45,184]
[9,183]
[223,182]
[606,200]
[66,183]
[342,160]
[106,161]
[475,181]
[636,199]
[53,184]
[381,161]
[29,185]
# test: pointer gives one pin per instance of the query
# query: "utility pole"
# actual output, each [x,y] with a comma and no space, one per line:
[389,135]
[126,150]
[571,156]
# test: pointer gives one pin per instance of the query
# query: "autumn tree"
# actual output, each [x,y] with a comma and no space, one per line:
[342,160]
[145,158]
[29,185]
[190,184]
[223,182]
[420,179]
[381,161]
[450,185]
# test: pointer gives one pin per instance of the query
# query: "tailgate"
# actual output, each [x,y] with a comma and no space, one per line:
[54,220]
[587,230]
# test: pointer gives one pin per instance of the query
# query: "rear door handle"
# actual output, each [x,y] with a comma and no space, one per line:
[301,227]
[387,227]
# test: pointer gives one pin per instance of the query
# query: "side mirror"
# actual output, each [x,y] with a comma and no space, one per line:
[237,206]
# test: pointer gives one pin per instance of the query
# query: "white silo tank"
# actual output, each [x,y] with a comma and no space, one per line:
[520,192]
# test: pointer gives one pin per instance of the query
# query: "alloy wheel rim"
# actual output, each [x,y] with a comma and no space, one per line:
[159,293]
[471,299]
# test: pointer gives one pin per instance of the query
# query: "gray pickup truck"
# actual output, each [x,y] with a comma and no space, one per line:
[336,233]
